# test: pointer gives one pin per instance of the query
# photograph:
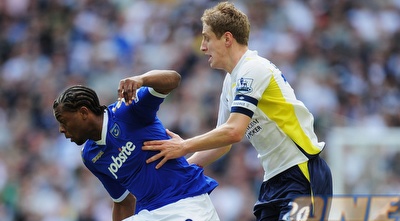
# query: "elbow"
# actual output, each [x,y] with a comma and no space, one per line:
[236,139]
[235,135]
[176,79]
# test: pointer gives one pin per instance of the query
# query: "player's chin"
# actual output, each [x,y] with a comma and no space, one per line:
[214,66]
[78,142]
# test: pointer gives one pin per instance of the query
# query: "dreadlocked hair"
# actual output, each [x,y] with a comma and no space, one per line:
[78,96]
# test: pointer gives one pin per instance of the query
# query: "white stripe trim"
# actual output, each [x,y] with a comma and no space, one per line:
[121,197]
[244,104]
[156,94]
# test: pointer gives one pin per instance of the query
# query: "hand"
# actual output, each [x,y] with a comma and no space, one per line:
[127,89]
[169,149]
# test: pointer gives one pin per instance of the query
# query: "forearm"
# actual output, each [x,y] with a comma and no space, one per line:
[163,81]
[212,145]
[220,137]
[207,157]
[225,135]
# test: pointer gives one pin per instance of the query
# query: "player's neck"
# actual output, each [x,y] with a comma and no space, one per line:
[237,53]
[96,128]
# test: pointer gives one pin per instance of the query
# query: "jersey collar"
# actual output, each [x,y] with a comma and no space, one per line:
[102,141]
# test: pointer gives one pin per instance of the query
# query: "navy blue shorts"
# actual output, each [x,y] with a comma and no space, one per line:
[273,202]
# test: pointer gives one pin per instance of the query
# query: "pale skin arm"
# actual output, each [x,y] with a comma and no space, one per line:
[206,157]
[227,134]
[162,81]
[124,209]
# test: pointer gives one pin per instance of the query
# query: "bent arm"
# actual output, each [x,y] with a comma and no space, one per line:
[124,209]
[162,81]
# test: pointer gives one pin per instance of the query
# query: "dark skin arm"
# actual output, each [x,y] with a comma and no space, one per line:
[162,81]
[124,209]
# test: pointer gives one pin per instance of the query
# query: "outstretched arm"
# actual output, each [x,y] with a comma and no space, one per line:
[228,133]
[207,157]
[203,158]
[124,209]
[162,81]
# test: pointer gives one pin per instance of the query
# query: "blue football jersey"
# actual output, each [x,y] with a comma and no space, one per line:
[119,162]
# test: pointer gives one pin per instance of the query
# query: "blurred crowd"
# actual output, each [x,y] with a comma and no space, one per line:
[342,57]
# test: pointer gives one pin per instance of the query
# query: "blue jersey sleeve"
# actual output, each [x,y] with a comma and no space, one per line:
[148,103]
[113,187]
[91,157]
[144,108]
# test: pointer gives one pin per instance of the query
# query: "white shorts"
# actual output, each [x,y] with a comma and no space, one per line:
[198,208]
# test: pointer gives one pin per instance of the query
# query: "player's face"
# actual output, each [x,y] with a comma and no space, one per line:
[214,48]
[72,125]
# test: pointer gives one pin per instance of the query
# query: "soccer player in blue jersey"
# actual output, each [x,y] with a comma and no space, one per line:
[113,137]
[256,102]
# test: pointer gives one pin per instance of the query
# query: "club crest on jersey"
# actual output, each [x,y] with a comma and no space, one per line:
[115,130]
[244,85]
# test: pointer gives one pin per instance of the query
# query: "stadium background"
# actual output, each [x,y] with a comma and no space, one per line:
[342,57]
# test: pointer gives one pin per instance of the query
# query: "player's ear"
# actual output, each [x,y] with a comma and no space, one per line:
[84,112]
[228,38]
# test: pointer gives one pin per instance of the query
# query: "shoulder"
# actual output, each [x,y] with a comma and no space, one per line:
[257,61]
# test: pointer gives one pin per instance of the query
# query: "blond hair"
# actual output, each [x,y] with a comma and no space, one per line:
[224,17]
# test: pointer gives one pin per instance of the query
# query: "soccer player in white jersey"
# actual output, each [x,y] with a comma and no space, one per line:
[113,137]
[256,102]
